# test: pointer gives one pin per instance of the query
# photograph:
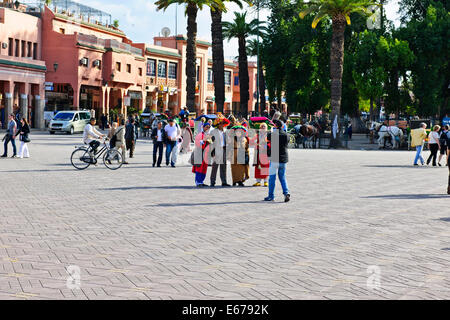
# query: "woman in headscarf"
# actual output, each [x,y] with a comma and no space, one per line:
[261,162]
[199,168]
[240,170]
[186,134]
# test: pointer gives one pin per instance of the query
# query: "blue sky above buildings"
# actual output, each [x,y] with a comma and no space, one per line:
[141,21]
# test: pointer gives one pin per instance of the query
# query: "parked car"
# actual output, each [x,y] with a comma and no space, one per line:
[69,121]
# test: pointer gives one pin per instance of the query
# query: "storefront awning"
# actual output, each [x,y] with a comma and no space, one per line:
[135,95]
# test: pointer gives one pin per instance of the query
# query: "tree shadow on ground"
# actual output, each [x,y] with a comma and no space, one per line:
[409,196]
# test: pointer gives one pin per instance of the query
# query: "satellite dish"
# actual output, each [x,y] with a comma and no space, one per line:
[165,32]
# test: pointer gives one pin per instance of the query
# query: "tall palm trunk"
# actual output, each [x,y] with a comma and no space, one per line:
[218,58]
[336,70]
[262,89]
[191,56]
[243,76]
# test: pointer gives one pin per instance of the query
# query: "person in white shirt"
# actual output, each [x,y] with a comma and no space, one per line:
[433,143]
[173,134]
[91,136]
[158,136]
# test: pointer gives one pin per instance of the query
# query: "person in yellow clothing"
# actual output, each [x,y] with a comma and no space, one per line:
[418,137]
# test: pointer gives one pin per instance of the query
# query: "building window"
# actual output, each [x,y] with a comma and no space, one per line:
[62,31]
[24,48]
[129,68]
[17,47]
[118,66]
[162,72]
[30,50]
[172,70]
[210,76]
[10,46]
[236,80]
[35,52]
[140,71]
[198,73]
[151,67]
[227,78]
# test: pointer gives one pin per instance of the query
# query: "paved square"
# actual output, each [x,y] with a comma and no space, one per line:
[360,225]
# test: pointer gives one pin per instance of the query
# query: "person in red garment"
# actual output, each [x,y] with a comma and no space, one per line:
[261,162]
[200,155]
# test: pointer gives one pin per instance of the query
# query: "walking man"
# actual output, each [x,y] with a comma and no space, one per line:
[130,136]
[418,137]
[173,133]
[278,153]
[158,136]
[11,132]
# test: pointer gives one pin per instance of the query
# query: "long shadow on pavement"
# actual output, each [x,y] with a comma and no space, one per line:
[408,196]
[391,166]
[204,203]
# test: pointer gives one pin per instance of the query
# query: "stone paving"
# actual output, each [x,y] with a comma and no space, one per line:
[360,225]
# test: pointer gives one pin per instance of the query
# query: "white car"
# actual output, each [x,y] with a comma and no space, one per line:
[69,121]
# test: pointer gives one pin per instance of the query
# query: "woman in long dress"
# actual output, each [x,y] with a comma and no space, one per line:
[240,169]
[262,162]
[201,152]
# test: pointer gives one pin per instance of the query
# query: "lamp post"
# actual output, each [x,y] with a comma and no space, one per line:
[55,66]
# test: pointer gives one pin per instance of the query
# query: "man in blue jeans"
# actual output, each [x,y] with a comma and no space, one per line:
[173,133]
[278,153]
[10,137]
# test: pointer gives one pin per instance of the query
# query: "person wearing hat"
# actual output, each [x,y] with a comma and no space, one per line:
[240,158]
[200,156]
[278,153]
[173,133]
[219,152]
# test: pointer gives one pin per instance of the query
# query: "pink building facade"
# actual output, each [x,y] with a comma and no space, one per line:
[22,69]
[90,66]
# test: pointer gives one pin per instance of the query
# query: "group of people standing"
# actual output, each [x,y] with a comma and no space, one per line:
[14,130]
[438,142]
[215,145]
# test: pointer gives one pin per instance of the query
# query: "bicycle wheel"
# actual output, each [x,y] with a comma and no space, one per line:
[113,159]
[80,159]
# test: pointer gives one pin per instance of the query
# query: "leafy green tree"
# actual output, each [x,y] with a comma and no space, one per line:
[428,38]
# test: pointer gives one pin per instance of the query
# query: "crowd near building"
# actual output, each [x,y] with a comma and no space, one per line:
[68,56]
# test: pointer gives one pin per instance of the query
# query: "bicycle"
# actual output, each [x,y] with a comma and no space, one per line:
[83,157]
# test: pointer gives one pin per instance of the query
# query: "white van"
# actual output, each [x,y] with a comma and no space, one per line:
[69,121]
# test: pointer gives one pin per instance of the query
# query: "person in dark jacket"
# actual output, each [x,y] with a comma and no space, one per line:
[130,136]
[278,153]
[158,136]
[104,121]
[24,139]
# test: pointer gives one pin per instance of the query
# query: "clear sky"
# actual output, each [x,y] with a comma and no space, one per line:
[141,22]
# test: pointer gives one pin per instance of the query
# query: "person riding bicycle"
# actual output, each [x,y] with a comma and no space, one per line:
[91,136]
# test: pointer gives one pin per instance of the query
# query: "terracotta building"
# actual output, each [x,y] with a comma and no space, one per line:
[22,69]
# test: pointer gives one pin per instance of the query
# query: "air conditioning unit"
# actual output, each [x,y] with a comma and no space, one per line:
[97,63]
[84,62]
[4,45]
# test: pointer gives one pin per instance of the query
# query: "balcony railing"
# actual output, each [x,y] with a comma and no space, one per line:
[108,43]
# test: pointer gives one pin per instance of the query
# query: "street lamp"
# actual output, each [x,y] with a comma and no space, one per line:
[55,66]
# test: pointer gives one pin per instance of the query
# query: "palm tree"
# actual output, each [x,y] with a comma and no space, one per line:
[339,11]
[192,7]
[218,55]
[241,30]
[252,51]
